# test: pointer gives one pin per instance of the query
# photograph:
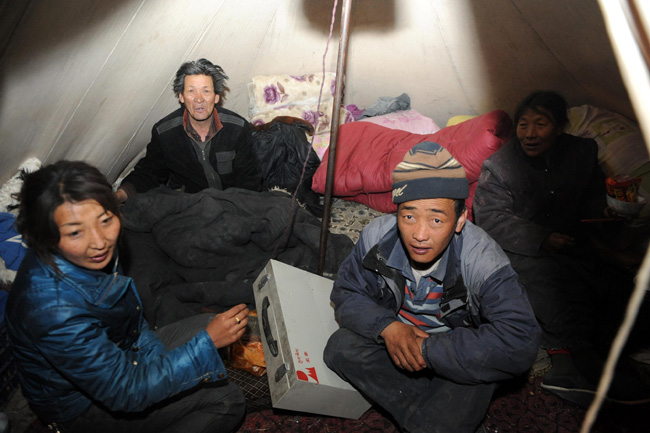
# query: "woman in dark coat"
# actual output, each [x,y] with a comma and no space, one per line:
[532,198]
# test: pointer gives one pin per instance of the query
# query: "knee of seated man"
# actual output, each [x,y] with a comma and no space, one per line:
[332,352]
[341,348]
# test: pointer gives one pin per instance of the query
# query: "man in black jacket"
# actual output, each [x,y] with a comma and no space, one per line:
[200,145]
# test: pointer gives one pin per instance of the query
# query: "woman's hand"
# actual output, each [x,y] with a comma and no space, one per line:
[228,327]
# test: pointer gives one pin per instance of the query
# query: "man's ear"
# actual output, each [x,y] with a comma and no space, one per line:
[461,221]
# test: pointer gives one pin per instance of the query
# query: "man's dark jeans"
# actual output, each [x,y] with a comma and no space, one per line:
[419,402]
[215,407]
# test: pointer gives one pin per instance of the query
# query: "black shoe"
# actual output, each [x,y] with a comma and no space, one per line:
[482,429]
[575,389]
[578,390]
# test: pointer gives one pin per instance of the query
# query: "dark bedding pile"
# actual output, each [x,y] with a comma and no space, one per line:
[189,253]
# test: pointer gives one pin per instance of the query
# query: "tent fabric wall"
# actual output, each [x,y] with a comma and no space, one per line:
[87,80]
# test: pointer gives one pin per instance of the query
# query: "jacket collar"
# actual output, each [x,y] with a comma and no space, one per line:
[98,288]
[215,126]
[390,251]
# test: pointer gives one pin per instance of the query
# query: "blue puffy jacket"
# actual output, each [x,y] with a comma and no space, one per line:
[80,336]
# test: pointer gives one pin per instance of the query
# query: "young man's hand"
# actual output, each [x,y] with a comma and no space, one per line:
[404,345]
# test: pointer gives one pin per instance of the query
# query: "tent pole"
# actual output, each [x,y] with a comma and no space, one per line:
[628,31]
[336,112]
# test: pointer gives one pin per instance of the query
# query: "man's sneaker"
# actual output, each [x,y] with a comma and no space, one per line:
[578,390]
[575,389]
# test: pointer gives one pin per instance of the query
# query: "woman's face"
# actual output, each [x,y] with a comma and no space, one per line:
[537,133]
[88,233]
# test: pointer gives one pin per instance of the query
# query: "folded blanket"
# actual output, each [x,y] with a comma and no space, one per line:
[217,241]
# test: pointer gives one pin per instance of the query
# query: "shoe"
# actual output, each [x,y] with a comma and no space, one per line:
[628,389]
[575,389]
[578,390]
[4,423]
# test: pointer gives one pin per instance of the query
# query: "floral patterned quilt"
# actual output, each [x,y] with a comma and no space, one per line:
[297,96]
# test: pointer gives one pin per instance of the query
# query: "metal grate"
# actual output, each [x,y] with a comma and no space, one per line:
[256,389]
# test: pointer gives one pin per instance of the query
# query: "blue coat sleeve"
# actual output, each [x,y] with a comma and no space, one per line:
[123,380]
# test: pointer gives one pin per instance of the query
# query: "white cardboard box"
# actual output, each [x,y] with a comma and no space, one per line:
[296,319]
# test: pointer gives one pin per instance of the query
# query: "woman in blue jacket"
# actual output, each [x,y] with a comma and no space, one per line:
[86,356]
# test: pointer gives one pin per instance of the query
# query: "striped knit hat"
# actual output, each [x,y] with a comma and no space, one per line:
[429,171]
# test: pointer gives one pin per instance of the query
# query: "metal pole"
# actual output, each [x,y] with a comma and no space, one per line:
[338,96]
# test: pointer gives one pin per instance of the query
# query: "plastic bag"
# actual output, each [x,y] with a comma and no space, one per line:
[248,353]
[624,188]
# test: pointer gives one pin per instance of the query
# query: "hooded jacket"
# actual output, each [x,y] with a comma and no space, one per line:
[494,333]
[79,337]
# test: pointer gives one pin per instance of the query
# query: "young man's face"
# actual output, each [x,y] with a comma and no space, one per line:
[426,227]
[537,132]
[199,97]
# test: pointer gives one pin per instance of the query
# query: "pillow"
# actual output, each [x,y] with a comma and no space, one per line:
[367,154]
[458,119]
[406,120]
[320,144]
[267,92]
[621,148]
[306,112]
[271,96]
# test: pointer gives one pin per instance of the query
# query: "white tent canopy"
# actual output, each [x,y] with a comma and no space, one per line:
[87,80]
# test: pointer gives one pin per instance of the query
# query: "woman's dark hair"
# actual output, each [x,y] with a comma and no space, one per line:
[43,191]
[544,102]
[200,67]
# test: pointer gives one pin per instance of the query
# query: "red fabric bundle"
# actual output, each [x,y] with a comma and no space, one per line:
[367,153]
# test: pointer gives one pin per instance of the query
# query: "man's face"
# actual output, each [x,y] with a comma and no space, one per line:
[199,97]
[426,228]
[537,133]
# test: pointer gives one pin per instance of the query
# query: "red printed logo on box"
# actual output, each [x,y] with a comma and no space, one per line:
[311,373]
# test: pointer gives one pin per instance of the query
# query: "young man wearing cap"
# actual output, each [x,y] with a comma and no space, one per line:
[432,316]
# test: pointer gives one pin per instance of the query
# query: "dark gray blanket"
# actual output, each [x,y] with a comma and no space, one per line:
[189,253]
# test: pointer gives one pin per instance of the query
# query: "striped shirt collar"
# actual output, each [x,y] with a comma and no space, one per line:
[399,259]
